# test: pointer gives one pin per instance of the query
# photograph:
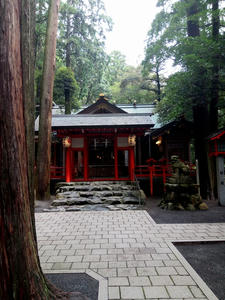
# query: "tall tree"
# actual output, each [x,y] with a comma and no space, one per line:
[28,64]
[20,272]
[215,68]
[64,85]
[82,26]
[195,44]
[199,104]
[44,136]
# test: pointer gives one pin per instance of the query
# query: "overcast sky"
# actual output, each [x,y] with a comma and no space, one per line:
[132,20]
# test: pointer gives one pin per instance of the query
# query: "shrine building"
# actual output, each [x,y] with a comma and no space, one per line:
[106,141]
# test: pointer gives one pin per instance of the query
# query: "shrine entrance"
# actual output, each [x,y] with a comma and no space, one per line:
[101,158]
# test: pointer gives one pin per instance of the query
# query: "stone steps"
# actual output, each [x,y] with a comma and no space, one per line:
[98,193]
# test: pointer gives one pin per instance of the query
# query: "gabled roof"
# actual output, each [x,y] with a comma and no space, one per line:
[217,135]
[103,120]
[102,106]
[181,122]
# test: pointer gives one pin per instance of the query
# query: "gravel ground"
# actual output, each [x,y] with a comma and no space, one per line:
[208,260]
[215,213]
[76,282]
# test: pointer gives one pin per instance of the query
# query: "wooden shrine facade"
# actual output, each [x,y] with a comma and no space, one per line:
[102,142]
[95,154]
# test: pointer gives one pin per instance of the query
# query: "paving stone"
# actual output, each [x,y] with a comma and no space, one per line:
[181,271]
[118,264]
[81,265]
[109,257]
[91,258]
[166,271]
[67,252]
[62,266]
[74,258]
[155,292]
[139,251]
[59,258]
[154,263]
[196,292]
[146,271]
[161,280]
[136,263]
[127,272]
[114,293]
[139,281]
[179,292]
[99,265]
[108,272]
[183,280]
[160,256]
[172,263]
[118,281]
[131,293]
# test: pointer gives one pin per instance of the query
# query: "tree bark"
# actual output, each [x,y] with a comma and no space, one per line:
[44,137]
[199,105]
[215,70]
[28,64]
[20,272]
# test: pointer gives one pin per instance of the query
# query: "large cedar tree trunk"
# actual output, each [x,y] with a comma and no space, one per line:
[44,137]
[28,64]
[20,272]
[199,105]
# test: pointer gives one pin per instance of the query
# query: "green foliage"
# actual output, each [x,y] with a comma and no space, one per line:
[176,102]
[65,81]
[201,58]
[132,86]
[82,26]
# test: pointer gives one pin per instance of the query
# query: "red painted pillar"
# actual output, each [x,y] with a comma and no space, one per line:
[116,158]
[68,164]
[85,159]
[132,164]
[151,180]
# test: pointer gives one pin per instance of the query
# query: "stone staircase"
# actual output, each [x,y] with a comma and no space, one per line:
[98,195]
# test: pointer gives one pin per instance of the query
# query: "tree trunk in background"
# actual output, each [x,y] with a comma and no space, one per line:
[158,83]
[28,64]
[214,94]
[68,65]
[215,70]
[44,137]
[20,272]
[200,110]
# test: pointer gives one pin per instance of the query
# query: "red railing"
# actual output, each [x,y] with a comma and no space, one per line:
[157,169]
[57,172]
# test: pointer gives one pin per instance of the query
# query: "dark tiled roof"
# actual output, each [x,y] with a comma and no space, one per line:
[217,135]
[99,120]
[172,126]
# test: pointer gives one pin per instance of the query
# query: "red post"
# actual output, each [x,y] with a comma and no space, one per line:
[68,164]
[132,164]
[85,159]
[151,180]
[116,158]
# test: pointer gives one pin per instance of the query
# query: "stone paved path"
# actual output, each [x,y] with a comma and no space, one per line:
[134,255]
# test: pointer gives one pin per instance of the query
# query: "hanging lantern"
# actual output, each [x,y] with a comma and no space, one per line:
[159,141]
[67,142]
[132,140]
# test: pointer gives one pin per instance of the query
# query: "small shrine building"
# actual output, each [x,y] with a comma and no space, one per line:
[106,141]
